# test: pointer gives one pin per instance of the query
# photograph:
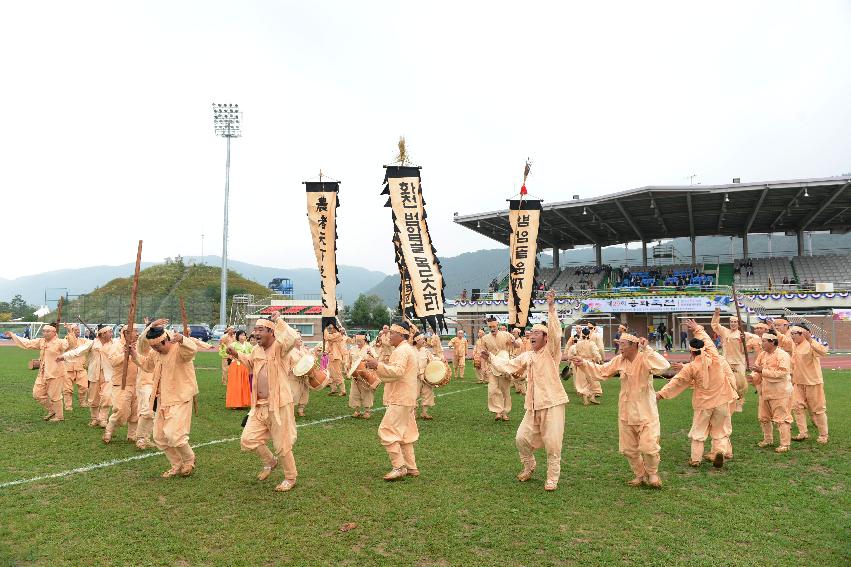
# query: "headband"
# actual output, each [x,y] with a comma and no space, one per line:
[361,337]
[399,329]
[797,329]
[540,327]
[769,336]
[265,323]
[166,336]
[103,330]
[48,328]
[760,326]
[781,321]
[734,318]
[419,338]
[630,338]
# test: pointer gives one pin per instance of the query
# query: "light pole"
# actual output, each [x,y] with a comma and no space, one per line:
[226,123]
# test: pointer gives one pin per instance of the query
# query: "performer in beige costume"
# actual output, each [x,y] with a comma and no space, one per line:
[731,342]
[125,403]
[808,384]
[171,360]
[298,384]
[102,352]
[499,387]
[50,380]
[543,422]
[335,346]
[638,416]
[425,392]
[481,378]
[518,380]
[772,376]
[459,344]
[226,340]
[361,396]
[780,329]
[398,430]
[75,373]
[383,345]
[583,380]
[271,415]
[714,387]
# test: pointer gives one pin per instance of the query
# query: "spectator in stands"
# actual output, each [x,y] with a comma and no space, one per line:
[570,289]
[464,294]
[786,280]
[683,338]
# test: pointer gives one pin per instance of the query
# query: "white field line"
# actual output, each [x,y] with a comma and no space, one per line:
[114,462]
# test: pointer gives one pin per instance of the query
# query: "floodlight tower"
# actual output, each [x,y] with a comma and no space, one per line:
[226,123]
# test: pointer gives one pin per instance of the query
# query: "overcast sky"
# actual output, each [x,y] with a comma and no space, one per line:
[108,126]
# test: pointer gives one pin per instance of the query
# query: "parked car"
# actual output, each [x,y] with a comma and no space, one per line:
[196,331]
[218,332]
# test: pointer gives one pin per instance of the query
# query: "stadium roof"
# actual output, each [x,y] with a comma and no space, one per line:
[658,212]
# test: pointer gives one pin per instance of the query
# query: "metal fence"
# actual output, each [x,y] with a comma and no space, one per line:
[114,309]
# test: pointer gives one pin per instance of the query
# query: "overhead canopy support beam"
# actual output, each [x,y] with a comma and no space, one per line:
[755,211]
[595,238]
[604,224]
[786,210]
[836,216]
[812,216]
[658,214]
[721,215]
[629,220]
[690,215]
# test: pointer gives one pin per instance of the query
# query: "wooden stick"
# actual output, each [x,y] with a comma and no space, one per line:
[186,330]
[741,330]
[89,329]
[131,317]
[59,313]
[187,333]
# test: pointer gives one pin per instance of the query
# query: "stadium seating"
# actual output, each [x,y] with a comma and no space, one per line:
[764,268]
[816,269]
[547,276]
[585,279]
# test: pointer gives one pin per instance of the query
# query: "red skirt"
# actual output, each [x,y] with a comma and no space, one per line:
[239,391]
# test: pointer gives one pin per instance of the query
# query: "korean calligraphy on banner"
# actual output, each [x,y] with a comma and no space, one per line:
[693,304]
[322,203]
[419,268]
[524,216]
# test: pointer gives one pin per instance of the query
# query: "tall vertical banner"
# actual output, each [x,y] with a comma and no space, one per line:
[322,203]
[524,217]
[416,255]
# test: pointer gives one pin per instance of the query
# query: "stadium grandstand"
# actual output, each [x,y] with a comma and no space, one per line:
[795,208]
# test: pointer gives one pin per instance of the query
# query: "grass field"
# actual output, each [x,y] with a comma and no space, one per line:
[465,509]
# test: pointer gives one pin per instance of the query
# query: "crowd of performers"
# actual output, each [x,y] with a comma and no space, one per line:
[147,382]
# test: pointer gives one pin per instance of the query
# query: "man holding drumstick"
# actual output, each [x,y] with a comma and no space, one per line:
[398,429]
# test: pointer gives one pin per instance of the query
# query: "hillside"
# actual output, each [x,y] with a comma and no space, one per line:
[160,288]
[353,280]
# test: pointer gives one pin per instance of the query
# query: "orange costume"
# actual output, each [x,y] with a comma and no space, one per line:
[50,380]
[543,422]
[335,346]
[638,415]
[271,415]
[714,387]
[398,429]
[775,395]
[808,387]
